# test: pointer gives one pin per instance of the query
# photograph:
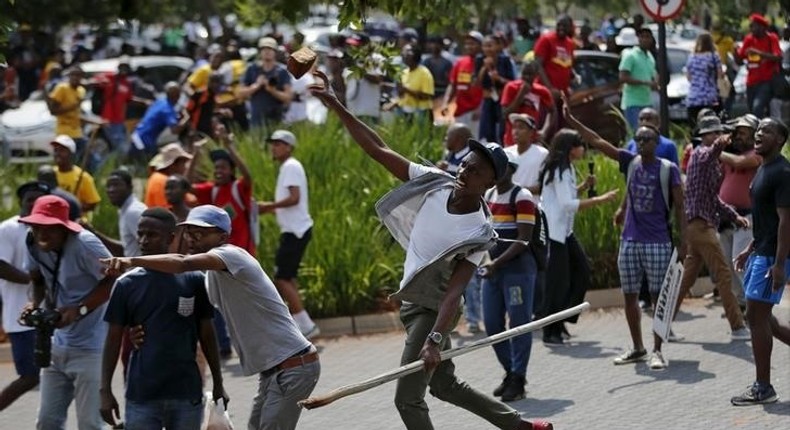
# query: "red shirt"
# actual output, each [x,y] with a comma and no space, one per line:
[760,69]
[240,234]
[117,93]
[557,58]
[536,104]
[467,96]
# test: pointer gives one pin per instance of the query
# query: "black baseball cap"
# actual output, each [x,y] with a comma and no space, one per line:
[32,186]
[495,155]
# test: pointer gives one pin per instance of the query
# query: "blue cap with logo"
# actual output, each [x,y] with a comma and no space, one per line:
[208,216]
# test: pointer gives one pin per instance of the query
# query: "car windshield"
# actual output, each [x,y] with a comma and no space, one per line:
[676,60]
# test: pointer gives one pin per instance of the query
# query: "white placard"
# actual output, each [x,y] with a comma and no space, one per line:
[668,298]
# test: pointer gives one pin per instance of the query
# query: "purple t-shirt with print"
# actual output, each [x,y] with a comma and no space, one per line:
[646,215]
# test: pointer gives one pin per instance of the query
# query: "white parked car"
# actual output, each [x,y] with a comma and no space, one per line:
[25,132]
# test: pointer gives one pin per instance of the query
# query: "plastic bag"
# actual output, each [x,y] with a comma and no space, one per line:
[215,416]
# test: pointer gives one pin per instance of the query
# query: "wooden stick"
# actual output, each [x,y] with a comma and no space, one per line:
[416,366]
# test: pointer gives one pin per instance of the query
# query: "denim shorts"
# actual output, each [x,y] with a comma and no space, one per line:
[22,344]
[757,283]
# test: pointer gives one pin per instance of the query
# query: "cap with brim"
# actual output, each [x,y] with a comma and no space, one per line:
[747,120]
[512,160]
[267,42]
[526,119]
[284,136]
[495,155]
[171,153]
[32,186]
[475,35]
[66,142]
[208,216]
[627,37]
[51,210]
[709,124]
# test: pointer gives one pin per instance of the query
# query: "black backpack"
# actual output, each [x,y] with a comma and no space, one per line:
[539,242]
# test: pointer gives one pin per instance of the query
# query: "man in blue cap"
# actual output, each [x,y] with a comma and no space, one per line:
[262,330]
[445,227]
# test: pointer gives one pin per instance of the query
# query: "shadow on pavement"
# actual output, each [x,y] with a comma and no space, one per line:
[541,408]
[739,349]
[779,408]
[686,316]
[581,349]
[684,372]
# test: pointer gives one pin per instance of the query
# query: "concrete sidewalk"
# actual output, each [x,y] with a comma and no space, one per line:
[575,386]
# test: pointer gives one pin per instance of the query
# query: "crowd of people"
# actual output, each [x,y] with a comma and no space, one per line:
[183,271]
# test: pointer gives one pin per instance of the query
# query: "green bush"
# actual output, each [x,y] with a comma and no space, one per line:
[352,264]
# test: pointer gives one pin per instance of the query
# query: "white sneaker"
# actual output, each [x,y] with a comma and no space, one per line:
[657,361]
[675,337]
[312,332]
[742,333]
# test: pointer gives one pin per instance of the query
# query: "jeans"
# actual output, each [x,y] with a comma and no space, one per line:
[223,339]
[73,375]
[490,117]
[509,293]
[444,385]
[704,247]
[168,414]
[116,133]
[733,241]
[274,407]
[472,301]
[632,116]
[758,97]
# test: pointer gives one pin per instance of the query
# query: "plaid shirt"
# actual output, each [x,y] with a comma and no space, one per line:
[703,180]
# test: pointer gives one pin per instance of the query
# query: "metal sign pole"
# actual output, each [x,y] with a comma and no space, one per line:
[663,77]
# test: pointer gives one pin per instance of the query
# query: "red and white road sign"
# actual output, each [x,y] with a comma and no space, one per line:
[663,10]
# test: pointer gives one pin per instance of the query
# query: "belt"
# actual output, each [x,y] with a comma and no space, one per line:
[300,359]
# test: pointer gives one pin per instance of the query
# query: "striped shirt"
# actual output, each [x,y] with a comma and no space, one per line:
[503,214]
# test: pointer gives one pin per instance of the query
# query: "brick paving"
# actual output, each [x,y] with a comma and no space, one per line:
[575,386]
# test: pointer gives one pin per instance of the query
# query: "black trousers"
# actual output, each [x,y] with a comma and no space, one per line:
[567,280]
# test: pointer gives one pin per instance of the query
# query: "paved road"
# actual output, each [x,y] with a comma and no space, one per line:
[575,386]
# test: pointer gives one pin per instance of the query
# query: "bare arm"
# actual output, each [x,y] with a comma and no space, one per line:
[292,200]
[542,73]
[12,274]
[680,219]
[39,287]
[740,161]
[590,136]
[112,349]
[364,136]
[448,308]
[168,263]
[625,78]
[515,248]
[208,344]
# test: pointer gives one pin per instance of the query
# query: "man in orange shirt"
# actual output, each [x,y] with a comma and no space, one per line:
[173,161]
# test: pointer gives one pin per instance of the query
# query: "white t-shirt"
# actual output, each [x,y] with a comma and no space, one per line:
[262,330]
[293,219]
[436,230]
[529,163]
[13,251]
[363,97]
[297,109]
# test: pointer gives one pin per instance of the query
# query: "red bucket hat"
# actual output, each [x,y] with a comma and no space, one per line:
[759,19]
[51,210]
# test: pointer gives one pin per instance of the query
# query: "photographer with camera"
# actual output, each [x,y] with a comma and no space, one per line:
[268,85]
[69,281]
[14,291]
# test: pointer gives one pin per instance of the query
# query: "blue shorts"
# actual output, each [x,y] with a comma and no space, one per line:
[756,283]
[636,260]
[22,344]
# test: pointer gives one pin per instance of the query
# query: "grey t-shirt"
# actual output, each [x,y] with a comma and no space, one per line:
[262,330]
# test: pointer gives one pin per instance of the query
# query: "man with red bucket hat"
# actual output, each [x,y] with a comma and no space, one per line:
[69,280]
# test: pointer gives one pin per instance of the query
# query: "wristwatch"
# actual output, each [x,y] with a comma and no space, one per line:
[435,337]
[83,310]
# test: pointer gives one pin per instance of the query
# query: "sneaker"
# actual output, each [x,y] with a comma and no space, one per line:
[473,328]
[645,305]
[742,333]
[675,337]
[501,388]
[657,361]
[565,334]
[756,394]
[553,340]
[514,388]
[630,356]
[312,332]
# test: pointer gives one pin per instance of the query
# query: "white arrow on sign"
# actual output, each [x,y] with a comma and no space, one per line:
[662,10]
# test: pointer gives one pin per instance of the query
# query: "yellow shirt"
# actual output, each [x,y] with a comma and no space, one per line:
[199,78]
[87,193]
[419,79]
[68,123]
[724,45]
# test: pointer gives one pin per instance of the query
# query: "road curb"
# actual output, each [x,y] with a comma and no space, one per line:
[390,321]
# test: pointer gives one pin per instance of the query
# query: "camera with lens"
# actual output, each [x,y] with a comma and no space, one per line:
[44,321]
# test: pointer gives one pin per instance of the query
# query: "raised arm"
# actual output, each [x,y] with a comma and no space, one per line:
[589,136]
[168,263]
[364,136]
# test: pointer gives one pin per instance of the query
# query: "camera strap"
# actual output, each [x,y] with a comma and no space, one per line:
[51,296]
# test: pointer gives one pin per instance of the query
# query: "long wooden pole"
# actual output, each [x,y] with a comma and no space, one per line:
[416,366]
